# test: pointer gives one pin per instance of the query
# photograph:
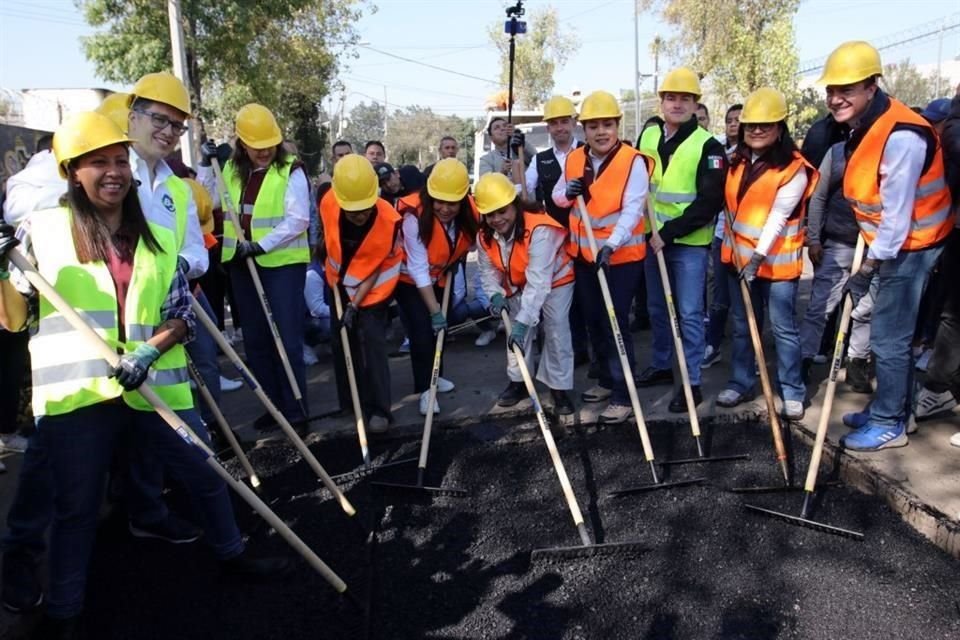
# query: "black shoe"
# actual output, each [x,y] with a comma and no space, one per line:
[858,375]
[58,629]
[514,393]
[650,377]
[173,529]
[805,365]
[562,404]
[247,566]
[640,323]
[265,423]
[581,358]
[594,371]
[679,402]
[21,586]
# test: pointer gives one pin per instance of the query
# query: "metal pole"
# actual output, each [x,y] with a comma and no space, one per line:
[939,61]
[636,65]
[180,70]
[513,49]
[386,112]
[656,62]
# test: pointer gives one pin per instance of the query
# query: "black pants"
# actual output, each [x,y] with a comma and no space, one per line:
[368,349]
[943,372]
[14,365]
[416,321]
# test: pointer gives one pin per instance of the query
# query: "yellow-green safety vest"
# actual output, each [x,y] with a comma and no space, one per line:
[672,192]
[68,372]
[181,194]
[268,212]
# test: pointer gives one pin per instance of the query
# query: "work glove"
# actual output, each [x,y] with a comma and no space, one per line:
[131,371]
[8,240]
[438,322]
[207,150]
[517,140]
[815,253]
[182,265]
[497,304]
[574,189]
[349,317]
[518,333]
[603,258]
[749,271]
[859,283]
[247,249]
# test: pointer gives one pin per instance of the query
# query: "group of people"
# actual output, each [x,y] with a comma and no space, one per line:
[124,239]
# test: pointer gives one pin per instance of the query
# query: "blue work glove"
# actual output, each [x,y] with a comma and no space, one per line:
[438,322]
[8,240]
[207,150]
[349,316]
[859,283]
[749,271]
[131,371]
[518,333]
[497,304]
[574,189]
[247,249]
[603,258]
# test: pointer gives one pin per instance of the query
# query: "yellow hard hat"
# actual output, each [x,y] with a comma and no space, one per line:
[161,87]
[681,80]
[599,105]
[493,192]
[448,181]
[82,133]
[114,106]
[257,127]
[355,183]
[851,62]
[766,104]
[201,197]
[559,107]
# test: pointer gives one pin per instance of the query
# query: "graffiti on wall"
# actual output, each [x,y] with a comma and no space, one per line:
[17,144]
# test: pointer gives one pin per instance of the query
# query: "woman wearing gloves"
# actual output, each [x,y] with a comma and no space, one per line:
[767,190]
[525,270]
[269,187]
[120,272]
[439,228]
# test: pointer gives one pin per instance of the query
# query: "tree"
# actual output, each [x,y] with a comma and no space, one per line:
[415,132]
[539,54]
[810,107]
[276,52]
[364,123]
[903,81]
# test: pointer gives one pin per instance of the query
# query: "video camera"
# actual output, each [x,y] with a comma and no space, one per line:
[514,26]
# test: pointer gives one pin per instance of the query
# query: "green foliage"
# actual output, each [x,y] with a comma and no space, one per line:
[810,107]
[540,52]
[364,123]
[904,81]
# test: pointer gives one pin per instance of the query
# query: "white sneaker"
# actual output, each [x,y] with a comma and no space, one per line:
[485,338]
[227,385]
[424,400]
[955,439]
[930,403]
[309,357]
[444,385]
[615,414]
[924,360]
[13,442]
[793,410]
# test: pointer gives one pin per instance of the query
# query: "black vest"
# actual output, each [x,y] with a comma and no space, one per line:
[549,172]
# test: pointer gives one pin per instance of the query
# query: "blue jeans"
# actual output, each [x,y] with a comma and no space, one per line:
[780,299]
[622,280]
[898,287]
[70,456]
[687,269]
[284,289]
[720,301]
[203,352]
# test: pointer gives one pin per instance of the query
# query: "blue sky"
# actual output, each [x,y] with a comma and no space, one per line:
[40,45]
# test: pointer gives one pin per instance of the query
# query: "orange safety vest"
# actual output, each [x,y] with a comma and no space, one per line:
[604,205]
[515,277]
[932,220]
[784,259]
[441,252]
[381,251]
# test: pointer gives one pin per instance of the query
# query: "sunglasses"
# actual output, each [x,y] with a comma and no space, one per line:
[762,127]
[161,122]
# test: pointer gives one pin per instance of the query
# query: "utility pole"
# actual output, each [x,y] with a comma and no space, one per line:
[343,101]
[636,64]
[656,61]
[180,70]
[386,112]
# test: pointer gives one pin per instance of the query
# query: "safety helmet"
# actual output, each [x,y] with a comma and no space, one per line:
[559,107]
[599,105]
[493,192]
[257,127]
[681,80]
[82,133]
[161,87]
[114,106]
[448,181]
[851,62]
[766,104]
[355,183]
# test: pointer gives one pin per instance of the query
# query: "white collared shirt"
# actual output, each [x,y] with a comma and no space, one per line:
[38,186]
[533,176]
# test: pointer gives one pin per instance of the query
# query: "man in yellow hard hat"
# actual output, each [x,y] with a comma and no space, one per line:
[686,192]
[894,180]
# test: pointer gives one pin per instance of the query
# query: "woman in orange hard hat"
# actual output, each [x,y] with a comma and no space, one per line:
[439,228]
[269,187]
[767,189]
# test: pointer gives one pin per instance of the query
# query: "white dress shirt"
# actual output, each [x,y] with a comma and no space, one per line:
[313,295]
[38,186]
[786,201]
[416,261]
[900,170]
[533,176]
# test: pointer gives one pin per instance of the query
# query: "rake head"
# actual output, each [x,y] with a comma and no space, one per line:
[646,488]
[805,522]
[585,552]
[702,459]
[436,491]
[365,471]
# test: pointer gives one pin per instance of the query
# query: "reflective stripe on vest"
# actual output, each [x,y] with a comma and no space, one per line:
[606,202]
[784,260]
[514,276]
[69,373]
[932,219]
[381,250]
[268,212]
[441,252]
[671,192]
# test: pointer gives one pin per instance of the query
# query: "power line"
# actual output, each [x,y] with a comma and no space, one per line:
[431,66]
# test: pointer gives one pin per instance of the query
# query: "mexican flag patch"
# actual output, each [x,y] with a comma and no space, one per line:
[714,162]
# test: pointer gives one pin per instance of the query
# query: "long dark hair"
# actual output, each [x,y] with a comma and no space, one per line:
[778,156]
[245,166]
[486,231]
[91,237]
[466,223]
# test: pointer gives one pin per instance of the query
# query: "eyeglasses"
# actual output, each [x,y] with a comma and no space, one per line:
[161,122]
[761,127]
